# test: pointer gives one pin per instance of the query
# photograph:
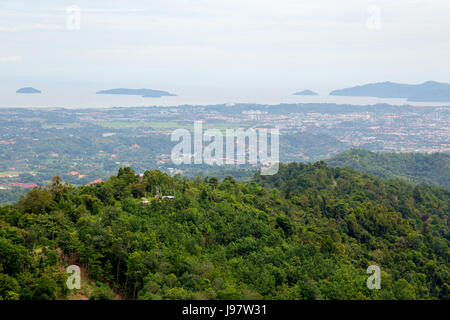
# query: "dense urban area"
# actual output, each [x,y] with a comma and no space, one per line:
[83,146]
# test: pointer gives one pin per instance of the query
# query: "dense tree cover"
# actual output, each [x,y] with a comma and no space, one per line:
[413,167]
[11,195]
[309,232]
[310,147]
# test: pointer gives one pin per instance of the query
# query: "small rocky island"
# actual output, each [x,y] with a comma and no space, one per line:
[28,90]
[145,93]
[306,93]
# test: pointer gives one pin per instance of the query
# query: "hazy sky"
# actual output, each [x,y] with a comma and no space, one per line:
[229,43]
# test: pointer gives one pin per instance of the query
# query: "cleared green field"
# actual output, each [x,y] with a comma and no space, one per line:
[15,173]
[138,124]
[162,125]
[61,126]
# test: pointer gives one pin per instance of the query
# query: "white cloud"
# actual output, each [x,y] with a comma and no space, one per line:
[8,29]
[10,59]
[271,40]
[164,56]
[44,26]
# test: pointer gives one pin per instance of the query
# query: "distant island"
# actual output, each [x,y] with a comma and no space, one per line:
[28,90]
[430,91]
[145,93]
[306,93]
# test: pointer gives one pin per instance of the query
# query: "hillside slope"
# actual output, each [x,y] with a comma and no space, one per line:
[309,232]
[416,168]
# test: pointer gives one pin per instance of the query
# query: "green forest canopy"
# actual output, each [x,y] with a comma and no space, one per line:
[308,232]
[416,168]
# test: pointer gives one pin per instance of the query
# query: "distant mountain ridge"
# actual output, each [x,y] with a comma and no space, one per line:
[28,90]
[145,93]
[430,91]
[412,167]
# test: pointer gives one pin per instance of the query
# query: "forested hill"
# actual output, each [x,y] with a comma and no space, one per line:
[309,232]
[416,168]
